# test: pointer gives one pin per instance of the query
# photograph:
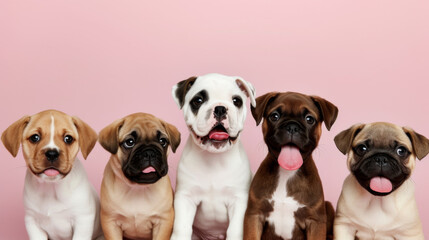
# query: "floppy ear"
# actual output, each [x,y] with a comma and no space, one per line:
[87,136]
[173,135]
[261,104]
[420,143]
[109,136]
[180,89]
[248,89]
[344,139]
[328,110]
[12,136]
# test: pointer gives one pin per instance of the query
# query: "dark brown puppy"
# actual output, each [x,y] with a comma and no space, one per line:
[289,204]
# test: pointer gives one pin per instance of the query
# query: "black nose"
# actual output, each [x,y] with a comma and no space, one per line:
[149,154]
[292,128]
[380,160]
[220,111]
[52,155]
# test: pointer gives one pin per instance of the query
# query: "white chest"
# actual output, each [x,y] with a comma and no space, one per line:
[282,217]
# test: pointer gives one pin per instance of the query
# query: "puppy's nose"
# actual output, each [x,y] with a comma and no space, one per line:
[52,155]
[220,111]
[381,160]
[292,128]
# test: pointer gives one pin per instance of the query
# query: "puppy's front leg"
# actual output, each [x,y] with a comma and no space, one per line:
[111,230]
[252,226]
[162,231]
[33,229]
[343,231]
[316,230]
[185,210]
[236,213]
[83,227]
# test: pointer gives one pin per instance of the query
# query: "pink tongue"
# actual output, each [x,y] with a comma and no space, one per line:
[51,172]
[290,158]
[381,185]
[218,135]
[149,170]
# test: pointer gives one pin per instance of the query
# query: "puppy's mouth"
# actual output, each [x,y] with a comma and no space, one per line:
[290,157]
[218,134]
[49,173]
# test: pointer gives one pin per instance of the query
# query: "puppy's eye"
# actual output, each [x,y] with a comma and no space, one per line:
[310,119]
[34,138]
[401,151]
[163,142]
[197,101]
[238,102]
[129,143]
[274,117]
[361,149]
[68,139]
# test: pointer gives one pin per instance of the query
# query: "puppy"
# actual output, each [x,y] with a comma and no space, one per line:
[213,175]
[377,199]
[136,194]
[60,203]
[286,196]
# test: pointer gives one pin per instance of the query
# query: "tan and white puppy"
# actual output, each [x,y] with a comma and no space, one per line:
[377,200]
[213,176]
[136,193]
[60,203]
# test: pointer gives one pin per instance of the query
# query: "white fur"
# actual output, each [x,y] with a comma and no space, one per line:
[51,144]
[212,184]
[366,216]
[282,217]
[62,209]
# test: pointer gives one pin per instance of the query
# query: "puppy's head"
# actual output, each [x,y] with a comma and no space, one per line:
[140,142]
[50,142]
[381,155]
[292,124]
[214,107]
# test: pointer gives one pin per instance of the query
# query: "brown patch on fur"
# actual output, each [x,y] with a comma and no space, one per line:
[311,221]
[40,124]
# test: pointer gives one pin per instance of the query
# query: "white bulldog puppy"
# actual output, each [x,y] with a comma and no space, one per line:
[213,175]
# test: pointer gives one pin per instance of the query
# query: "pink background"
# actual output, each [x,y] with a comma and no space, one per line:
[102,60]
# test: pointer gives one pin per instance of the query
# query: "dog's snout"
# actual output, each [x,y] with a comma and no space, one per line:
[52,155]
[380,160]
[292,128]
[220,111]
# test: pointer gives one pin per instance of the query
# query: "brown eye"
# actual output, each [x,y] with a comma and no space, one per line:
[34,138]
[237,101]
[68,139]
[197,101]
[274,117]
[129,143]
[401,151]
[310,119]
[361,149]
[163,142]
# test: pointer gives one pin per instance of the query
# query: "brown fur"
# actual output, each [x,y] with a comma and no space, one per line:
[21,131]
[120,197]
[315,219]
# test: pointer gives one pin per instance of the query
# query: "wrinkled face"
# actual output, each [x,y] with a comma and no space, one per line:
[381,152]
[143,142]
[50,145]
[292,119]
[214,107]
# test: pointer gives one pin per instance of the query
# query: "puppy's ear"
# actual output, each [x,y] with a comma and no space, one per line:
[261,104]
[420,143]
[109,136]
[173,135]
[344,139]
[248,89]
[328,110]
[180,89]
[87,136]
[12,136]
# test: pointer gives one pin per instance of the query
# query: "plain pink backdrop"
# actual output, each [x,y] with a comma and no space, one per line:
[102,60]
